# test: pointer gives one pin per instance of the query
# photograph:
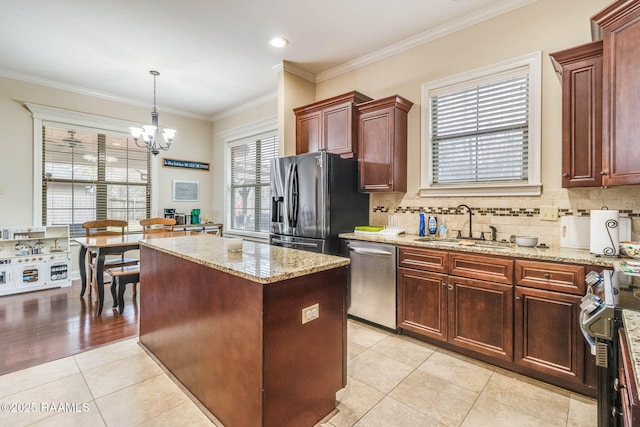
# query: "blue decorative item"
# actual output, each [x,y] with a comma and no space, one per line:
[422,226]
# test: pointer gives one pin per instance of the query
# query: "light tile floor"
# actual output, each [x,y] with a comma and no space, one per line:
[393,381]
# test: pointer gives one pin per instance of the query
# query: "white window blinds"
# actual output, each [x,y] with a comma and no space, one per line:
[480,133]
[91,174]
[248,195]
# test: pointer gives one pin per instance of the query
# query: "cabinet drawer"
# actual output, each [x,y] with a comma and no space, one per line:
[554,277]
[423,259]
[482,267]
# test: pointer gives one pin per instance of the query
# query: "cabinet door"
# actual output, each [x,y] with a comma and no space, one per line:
[481,317]
[620,92]
[338,129]
[376,146]
[581,71]
[382,144]
[547,335]
[308,126]
[422,303]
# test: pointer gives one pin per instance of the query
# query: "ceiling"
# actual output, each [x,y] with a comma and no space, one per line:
[213,55]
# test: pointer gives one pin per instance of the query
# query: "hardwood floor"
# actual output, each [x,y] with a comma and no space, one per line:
[41,326]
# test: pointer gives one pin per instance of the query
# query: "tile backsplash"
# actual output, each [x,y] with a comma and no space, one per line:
[510,215]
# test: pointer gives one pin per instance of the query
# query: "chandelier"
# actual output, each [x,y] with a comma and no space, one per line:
[150,134]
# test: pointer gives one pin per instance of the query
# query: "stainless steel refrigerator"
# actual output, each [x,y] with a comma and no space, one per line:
[314,197]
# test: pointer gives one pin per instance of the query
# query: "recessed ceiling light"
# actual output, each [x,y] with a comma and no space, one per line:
[278,42]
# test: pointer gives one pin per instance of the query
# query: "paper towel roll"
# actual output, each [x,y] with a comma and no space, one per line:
[604,232]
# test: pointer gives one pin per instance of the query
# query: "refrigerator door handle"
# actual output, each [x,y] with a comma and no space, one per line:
[293,195]
[295,243]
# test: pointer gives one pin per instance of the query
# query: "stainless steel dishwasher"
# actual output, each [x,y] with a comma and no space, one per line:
[372,289]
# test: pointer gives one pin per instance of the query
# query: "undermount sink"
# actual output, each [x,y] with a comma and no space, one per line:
[488,245]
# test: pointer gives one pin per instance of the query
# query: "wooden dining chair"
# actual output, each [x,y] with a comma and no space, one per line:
[105,227]
[157,225]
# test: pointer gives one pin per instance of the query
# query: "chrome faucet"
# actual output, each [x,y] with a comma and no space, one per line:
[470,213]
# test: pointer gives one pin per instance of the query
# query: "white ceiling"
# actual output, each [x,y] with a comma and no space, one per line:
[212,55]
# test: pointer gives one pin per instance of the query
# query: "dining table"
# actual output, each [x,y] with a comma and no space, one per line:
[112,245]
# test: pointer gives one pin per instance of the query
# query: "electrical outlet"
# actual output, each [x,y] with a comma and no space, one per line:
[549,213]
[310,313]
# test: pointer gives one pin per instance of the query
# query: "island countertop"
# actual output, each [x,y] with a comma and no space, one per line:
[258,262]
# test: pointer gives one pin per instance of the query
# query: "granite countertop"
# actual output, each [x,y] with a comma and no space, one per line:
[631,320]
[576,256]
[258,262]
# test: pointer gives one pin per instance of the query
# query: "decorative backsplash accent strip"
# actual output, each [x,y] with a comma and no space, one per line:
[509,212]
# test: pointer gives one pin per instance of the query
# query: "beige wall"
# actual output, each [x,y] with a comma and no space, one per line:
[193,142]
[547,26]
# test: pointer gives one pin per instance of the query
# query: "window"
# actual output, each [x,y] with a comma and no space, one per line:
[481,131]
[88,173]
[248,175]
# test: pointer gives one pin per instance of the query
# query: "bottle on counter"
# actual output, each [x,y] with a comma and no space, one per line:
[422,228]
[433,225]
[442,233]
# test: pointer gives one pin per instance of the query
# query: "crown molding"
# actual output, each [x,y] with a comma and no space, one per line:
[27,78]
[427,36]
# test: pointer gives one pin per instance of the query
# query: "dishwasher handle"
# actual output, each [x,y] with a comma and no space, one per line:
[374,252]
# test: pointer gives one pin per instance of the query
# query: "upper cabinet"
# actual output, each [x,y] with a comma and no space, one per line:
[601,101]
[382,144]
[620,23]
[580,70]
[329,125]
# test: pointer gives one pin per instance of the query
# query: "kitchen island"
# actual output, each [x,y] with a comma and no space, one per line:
[258,336]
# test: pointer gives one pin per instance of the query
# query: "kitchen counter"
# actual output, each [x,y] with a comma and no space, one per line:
[575,256]
[631,320]
[258,337]
[257,262]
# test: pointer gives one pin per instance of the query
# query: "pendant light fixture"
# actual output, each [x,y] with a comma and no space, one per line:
[150,134]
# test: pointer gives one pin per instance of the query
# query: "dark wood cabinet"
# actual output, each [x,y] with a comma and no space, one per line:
[481,317]
[330,125]
[547,336]
[627,386]
[382,144]
[517,313]
[422,302]
[558,277]
[620,23]
[580,70]
[473,314]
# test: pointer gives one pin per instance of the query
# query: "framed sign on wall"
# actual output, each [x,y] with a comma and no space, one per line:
[186,191]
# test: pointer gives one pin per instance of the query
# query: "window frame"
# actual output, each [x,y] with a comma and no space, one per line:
[262,129]
[531,64]
[43,115]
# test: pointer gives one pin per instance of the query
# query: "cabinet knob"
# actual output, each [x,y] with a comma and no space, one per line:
[450,287]
[565,175]
[518,298]
[547,276]
[603,172]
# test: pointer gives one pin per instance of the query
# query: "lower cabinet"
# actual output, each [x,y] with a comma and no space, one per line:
[481,317]
[519,314]
[476,315]
[547,335]
[422,302]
